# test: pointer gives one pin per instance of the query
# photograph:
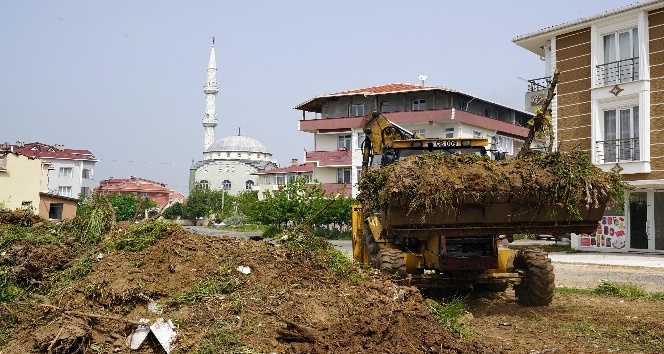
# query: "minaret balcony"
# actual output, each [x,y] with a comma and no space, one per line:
[211,90]
[210,123]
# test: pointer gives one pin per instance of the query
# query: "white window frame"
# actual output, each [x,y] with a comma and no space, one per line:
[344,175]
[226,185]
[356,110]
[478,134]
[448,133]
[344,141]
[64,191]
[279,179]
[505,144]
[619,24]
[66,172]
[360,139]
[267,179]
[384,106]
[86,173]
[419,104]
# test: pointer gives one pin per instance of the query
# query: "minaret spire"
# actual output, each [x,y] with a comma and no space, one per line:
[210,89]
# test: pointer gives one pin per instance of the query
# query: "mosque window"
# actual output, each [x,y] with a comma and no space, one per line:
[226,184]
[228,154]
[249,184]
[204,184]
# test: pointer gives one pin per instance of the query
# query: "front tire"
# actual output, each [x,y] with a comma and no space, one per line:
[391,261]
[538,283]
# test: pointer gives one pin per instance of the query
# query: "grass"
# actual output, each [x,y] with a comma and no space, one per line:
[245,228]
[138,237]
[609,288]
[332,234]
[449,314]
[62,278]
[220,340]
[10,234]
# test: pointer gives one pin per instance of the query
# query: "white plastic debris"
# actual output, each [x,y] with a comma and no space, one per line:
[155,307]
[165,333]
[100,256]
[137,337]
[243,269]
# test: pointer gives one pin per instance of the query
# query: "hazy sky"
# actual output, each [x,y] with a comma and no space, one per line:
[124,78]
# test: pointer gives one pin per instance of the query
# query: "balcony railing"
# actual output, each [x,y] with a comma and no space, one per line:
[543,83]
[617,150]
[618,72]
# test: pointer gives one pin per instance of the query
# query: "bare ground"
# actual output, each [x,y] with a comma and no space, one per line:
[292,303]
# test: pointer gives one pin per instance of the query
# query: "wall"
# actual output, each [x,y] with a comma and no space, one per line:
[573,61]
[656,52]
[215,172]
[68,206]
[22,181]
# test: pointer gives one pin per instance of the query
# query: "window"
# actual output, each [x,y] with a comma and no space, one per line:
[419,105]
[344,142]
[343,175]
[65,172]
[85,192]
[487,112]
[449,133]
[267,179]
[249,184]
[64,191]
[421,132]
[87,173]
[356,110]
[621,135]
[226,184]
[307,178]
[26,204]
[477,134]
[359,173]
[228,154]
[55,211]
[360,139]
[621,58]
[279,179]
[291,177]
[384,106]
[204,184]
[144,195]
[505,144]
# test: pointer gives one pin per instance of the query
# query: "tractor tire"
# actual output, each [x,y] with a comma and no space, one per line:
[538,284]
[391,261]
[372,247]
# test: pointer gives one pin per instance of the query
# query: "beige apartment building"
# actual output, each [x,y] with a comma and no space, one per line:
[21,180]
[610,102]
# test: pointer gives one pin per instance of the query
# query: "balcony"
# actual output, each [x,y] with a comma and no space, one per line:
[540,84]
[333,158]
[621,150]
[618,72]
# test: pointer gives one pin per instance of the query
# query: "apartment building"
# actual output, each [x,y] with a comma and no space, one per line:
[274,179]
[610,102]
[336,121]
[72,170]
[141,188]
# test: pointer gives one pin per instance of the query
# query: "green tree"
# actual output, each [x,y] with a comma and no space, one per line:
[128,206]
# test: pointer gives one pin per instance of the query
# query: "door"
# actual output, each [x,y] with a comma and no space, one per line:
[659,220]
[638,220]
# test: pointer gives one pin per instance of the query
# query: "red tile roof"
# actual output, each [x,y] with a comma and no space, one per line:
[389,88]
[51,152]
[435,115]
[155,190]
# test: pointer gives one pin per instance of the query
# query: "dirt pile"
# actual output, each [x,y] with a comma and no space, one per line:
[223,295]
[430,182]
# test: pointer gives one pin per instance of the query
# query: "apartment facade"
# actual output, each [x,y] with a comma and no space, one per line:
[610,102]
[275,179]
[336,121]
[72,170]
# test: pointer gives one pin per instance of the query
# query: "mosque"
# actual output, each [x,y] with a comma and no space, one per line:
[230,163]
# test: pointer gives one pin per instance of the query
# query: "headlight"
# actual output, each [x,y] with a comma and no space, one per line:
[465,143]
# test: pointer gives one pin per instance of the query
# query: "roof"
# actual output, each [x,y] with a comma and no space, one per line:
[529,40]
[314,104]
[301,168]
[56,196]
[436,115]
[45,151]
[237,143]
[136,185]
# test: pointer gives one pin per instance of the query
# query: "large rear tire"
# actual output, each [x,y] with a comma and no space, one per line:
[391,261]
[538,284]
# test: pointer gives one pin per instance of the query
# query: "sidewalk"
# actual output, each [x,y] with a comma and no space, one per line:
[615,259]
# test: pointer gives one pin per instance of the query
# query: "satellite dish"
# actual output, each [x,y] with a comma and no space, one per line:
[423,77]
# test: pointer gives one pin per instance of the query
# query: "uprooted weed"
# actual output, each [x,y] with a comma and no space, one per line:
[138,237]
[222,283]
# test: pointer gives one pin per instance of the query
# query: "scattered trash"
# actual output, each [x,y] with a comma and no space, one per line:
[163,330]
[243,269]
[137,337]
[155,307]
[504,324]
[100,256]
[165,333]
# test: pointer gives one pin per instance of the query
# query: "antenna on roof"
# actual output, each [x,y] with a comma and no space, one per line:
[422,78]
[238,131]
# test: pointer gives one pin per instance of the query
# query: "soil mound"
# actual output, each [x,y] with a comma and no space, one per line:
[227,295]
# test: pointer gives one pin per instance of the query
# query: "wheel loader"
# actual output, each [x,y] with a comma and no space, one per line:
[462,247]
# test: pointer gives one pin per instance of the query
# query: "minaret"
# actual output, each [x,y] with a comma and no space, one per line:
[210,89]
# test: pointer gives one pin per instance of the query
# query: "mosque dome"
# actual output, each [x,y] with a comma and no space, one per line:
[238,143]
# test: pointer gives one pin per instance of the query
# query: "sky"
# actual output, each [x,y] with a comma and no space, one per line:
[124,78]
